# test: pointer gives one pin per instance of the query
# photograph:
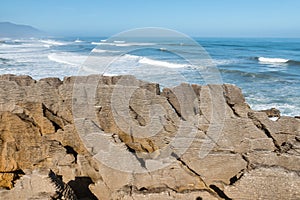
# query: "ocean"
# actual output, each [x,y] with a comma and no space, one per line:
[266,69]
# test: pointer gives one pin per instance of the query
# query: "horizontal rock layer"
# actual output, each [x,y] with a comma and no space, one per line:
[121,138]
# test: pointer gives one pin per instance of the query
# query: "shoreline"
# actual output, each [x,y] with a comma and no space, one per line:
[271,111]
[266,70]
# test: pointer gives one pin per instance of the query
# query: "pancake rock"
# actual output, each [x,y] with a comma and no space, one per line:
[122,138]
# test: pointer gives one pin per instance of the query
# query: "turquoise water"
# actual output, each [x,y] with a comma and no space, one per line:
[267,70]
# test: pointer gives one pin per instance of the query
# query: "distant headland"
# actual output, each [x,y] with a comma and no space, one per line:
[8,29]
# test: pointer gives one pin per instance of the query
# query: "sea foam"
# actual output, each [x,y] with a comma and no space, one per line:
[53,42]
[67,58]
[102,51]
[122,43]
[272,60]
[149,61]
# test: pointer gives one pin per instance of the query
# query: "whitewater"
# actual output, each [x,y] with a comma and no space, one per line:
[267,70]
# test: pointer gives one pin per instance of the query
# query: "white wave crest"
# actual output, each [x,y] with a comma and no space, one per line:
[53,42]
[272,60]
[122,43]
[119,41]
[67,58]
[97,43]
[103,51]
[134,44]
[131,58]
[149,61]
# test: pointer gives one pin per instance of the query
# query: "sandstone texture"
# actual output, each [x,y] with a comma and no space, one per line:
[121,138]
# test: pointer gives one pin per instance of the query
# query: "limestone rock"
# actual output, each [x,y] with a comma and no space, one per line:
[266,183]
[122,138]
[236,100]
[273,112]
[34,185]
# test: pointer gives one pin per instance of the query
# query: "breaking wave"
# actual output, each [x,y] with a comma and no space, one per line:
[53,42]
[267,60]
[67,58]
[272,60]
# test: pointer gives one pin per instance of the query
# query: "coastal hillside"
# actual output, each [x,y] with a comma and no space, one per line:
[8,29]
[96,137]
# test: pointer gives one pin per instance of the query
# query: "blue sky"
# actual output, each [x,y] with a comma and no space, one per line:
[207,18]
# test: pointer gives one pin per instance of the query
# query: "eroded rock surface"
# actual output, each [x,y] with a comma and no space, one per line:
[121,138]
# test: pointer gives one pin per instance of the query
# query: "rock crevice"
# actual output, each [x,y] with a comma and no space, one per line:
[208,140]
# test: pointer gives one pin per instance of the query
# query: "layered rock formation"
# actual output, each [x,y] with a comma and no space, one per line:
[120,138]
